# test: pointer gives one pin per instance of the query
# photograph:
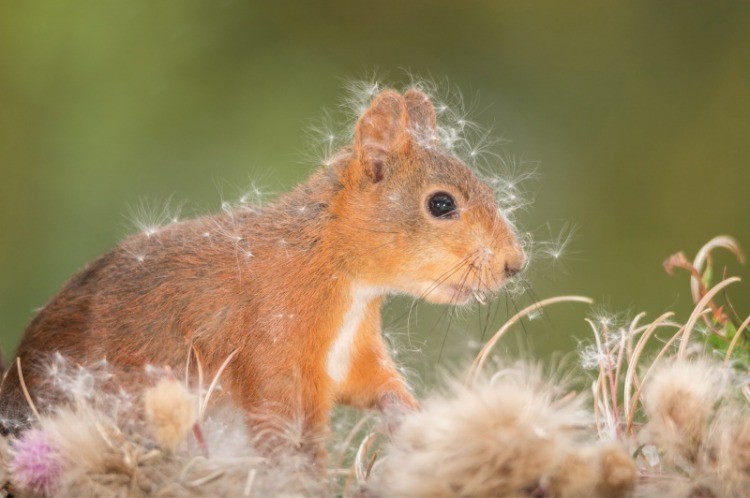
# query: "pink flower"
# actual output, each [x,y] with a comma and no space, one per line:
[36,465]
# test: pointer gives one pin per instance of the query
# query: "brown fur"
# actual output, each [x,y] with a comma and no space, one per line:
[275,283]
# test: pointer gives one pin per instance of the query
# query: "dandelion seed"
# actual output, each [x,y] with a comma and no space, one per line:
[150,217]
[534,315]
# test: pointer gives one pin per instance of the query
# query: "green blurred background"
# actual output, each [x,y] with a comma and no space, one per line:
[638,114]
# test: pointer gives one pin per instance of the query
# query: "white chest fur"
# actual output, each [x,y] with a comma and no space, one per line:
[340,355]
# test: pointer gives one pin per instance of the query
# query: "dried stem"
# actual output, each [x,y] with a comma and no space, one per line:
[723,241]
[476,366]
[697,312]
[633,360]
[736,337]
[214,383]
[25,390]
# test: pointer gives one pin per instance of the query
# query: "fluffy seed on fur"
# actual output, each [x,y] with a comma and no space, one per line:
[170,412]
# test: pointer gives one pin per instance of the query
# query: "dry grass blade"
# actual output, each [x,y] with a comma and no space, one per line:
[349,437]
[362,463]
[249,482]
[600,386]
[479,361]
[214,383]
[697,312]
[722,241]
[205,480]
[736,337]
[634,358]
[639,388]
[25,390]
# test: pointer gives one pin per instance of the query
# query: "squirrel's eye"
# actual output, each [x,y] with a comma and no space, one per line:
[442,205]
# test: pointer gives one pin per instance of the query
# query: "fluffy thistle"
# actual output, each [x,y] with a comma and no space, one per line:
[89,443]
[36,465]
[731,449]
[493,439]
[87,447]
[170,412]
[602,469]
[679,402]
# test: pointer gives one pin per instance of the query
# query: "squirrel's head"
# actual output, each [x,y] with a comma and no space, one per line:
[417,220]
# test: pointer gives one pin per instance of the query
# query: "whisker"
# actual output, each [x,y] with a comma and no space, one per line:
[515,307]
[445,276]
[451,314]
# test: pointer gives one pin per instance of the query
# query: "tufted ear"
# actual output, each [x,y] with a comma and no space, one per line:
[381,131]
[422,115]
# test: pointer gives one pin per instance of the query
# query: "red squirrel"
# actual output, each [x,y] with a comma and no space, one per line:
[295,287]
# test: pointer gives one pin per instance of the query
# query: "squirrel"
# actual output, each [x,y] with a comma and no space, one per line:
[293,289]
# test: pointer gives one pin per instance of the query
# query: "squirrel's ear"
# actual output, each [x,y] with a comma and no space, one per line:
[381,131]
[422,115]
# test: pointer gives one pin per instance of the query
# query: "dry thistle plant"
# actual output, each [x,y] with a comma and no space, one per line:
[172,441]
[681,411]
[514,434]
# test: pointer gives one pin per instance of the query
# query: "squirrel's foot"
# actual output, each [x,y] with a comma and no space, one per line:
[394,408]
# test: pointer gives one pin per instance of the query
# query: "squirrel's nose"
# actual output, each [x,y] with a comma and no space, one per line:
[514,262]
[510,271]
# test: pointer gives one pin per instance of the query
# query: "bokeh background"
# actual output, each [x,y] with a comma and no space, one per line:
[636,116]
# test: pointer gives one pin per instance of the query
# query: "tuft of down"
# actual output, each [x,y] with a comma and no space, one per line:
[508,437]
[170,412]
[679,402]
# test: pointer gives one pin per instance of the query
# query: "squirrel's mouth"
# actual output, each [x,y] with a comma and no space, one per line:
[462,295]
[453,294]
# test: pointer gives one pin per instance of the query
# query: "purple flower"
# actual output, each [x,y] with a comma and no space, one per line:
[36,465]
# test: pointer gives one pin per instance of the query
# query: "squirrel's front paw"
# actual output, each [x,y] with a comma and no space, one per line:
[394,407]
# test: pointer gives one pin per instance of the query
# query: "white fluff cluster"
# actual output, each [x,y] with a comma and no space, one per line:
[95,438]
[515,435]
[699,421]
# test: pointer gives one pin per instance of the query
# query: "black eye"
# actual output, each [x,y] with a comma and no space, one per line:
[442,205]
